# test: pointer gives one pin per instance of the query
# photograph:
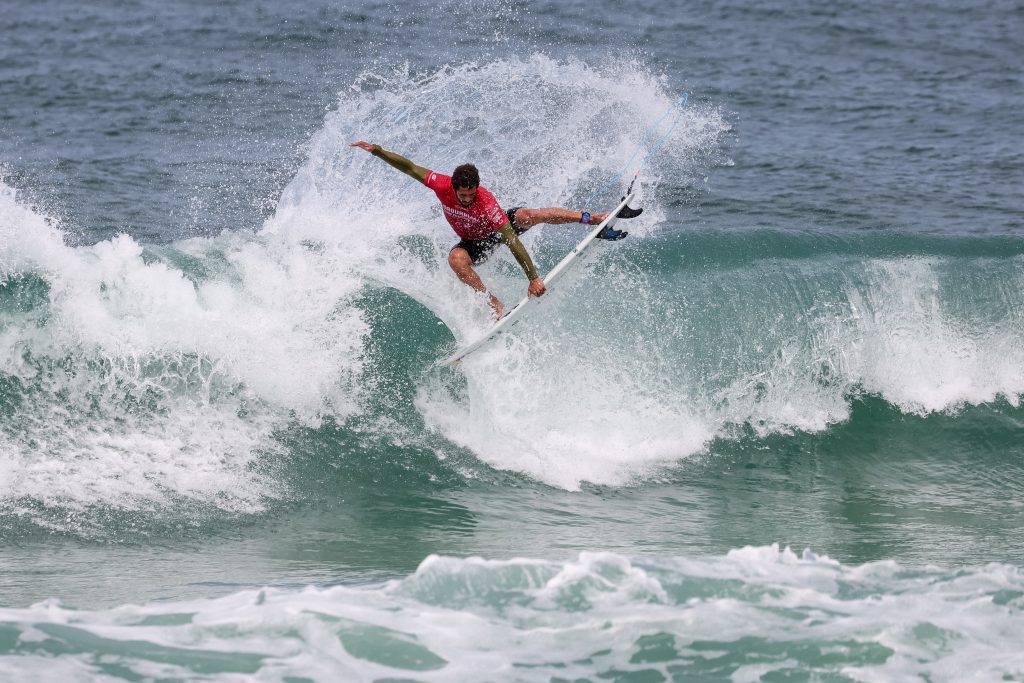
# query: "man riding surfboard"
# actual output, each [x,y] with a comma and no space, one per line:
[477,218]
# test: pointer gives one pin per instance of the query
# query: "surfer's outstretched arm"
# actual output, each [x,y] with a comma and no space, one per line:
[509,237]
[397,160]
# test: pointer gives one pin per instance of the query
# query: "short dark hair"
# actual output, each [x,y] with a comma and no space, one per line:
[465,175]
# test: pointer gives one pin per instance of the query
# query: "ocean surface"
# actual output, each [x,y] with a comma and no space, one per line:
[776,434]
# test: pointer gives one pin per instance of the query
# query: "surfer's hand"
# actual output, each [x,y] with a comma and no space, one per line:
[496,305]
[536,288]
[363,145]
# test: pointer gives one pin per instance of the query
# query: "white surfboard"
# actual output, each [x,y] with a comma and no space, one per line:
[515,316]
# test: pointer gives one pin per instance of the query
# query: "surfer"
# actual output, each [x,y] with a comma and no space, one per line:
[482,225]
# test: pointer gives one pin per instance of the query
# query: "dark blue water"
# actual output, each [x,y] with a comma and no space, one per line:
[854,117]
[224,448]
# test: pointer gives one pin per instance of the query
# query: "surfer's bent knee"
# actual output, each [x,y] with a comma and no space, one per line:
[458,258]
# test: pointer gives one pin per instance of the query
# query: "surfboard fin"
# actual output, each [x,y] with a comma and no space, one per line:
[610,233]
[627,212]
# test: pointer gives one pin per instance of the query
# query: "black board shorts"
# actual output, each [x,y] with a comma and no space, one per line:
[480,250]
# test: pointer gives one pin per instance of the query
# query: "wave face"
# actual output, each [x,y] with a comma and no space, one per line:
[753,614]
[141,377]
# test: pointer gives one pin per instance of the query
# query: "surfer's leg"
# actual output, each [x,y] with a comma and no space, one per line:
[462,263]
[525,218]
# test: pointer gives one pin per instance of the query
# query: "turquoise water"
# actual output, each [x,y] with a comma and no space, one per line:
[773,435]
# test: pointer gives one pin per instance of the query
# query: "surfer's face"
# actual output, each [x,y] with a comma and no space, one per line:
[465,195]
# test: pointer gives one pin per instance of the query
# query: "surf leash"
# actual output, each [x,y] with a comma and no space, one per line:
[677,106]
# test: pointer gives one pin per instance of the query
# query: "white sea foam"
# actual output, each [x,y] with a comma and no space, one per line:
[920,353]
[752,612]
[140,384]
[693,355]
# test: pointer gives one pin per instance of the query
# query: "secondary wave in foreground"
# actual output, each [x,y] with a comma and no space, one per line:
[754,613]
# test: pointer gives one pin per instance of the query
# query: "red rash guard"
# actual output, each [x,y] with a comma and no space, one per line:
[473,222]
